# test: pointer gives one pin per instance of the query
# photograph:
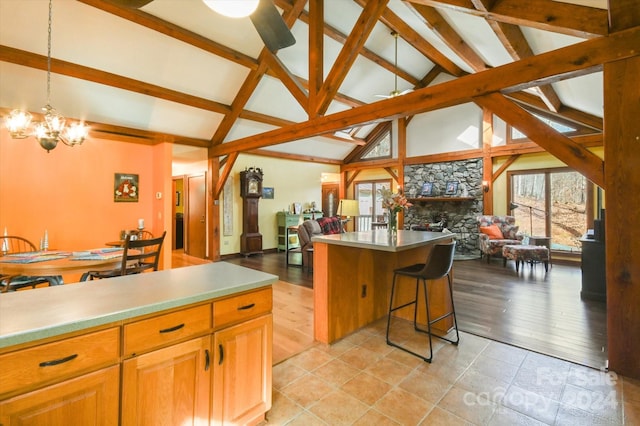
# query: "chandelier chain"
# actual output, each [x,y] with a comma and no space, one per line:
[49,54]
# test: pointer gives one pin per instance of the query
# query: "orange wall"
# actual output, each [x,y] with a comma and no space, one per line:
[69,191]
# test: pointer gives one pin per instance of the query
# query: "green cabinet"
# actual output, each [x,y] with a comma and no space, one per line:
[290,221]
[286,221]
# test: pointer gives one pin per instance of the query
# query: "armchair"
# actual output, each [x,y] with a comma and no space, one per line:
[496,232]
[306,231]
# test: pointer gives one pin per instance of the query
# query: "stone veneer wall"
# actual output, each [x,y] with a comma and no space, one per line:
[460,215]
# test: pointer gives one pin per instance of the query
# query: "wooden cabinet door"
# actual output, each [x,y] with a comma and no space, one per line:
[169,386]
[88,400]
[242,372]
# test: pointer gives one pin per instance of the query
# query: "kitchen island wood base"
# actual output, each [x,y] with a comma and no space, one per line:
[352,286]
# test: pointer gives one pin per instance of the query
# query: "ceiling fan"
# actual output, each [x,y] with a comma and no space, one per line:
[265,18]
[395,92]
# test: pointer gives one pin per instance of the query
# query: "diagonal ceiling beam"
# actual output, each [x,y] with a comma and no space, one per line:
[147,20]
[251,82]
[574,155]
[548,15]
[432,18]
[412,37]
[289,80]
[513,39]
[349,53]
[565,113]
[577,59]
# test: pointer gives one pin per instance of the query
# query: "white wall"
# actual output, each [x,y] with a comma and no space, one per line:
[451,129]
[293,181]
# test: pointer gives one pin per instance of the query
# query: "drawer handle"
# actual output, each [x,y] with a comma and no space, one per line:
[245,307]
[170,329]
[58,361]
[221,350]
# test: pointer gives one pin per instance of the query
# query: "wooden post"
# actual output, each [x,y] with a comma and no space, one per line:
[622,203]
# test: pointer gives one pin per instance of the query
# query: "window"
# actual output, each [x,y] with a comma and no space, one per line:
[550,203]
[516,135]
[370,203]
[381,148]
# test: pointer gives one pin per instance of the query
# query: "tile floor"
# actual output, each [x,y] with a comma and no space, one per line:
[360,380]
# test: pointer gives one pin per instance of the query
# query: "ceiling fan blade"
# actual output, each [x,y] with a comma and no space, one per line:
[271,27]
[131,3]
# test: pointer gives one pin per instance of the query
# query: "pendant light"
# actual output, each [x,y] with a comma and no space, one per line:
[52,129]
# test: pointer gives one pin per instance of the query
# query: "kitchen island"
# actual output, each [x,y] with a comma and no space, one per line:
[148,348]
[352,274]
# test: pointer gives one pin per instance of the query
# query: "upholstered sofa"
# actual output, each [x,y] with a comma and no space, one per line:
[309,228]
[496,232]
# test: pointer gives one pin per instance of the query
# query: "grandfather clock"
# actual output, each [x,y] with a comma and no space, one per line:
[250,191]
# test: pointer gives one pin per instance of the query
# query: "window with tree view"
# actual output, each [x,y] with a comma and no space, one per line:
[550,203]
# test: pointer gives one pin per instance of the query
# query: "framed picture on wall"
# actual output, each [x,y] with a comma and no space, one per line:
[451,188]
[267,193]
[125,188]
[427,189]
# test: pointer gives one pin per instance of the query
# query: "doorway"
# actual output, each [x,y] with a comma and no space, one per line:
[196,216]
[367,194]
[178,214]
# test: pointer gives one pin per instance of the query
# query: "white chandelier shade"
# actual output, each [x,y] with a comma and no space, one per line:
[233,8]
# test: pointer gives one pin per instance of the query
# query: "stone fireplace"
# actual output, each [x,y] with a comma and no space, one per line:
[458,210]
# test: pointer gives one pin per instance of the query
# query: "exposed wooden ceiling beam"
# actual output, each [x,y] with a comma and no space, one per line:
[432,18]
[373,136]
[340,37]
[513,39]
[623,14]
[33,60]
[412,37]
[296,157]
[251,82]
[563,18]
[566,114]
[289,80]
[164,27]
[576,59]
[316,55]
[349,53]
[554,142]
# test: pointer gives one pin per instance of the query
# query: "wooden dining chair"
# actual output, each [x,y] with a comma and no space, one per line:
[17,245]
[144,235]
[139,255]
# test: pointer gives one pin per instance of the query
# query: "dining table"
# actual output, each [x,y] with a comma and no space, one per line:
[53,264]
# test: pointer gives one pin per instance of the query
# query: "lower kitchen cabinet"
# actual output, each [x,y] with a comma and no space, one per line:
[169,386]
[89,400]
[242,372]
[201,364]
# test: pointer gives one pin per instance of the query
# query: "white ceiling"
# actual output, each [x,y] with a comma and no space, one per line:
[90,37]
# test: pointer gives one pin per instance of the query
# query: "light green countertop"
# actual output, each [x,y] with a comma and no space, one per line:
[50,311]
[380,239]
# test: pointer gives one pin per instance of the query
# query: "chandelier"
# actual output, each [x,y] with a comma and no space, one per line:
[233,8]
[52,130]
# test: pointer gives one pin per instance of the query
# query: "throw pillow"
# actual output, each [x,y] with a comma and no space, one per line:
[510,232]
[492,231]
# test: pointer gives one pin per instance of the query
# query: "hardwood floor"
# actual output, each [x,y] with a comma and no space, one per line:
[538,311]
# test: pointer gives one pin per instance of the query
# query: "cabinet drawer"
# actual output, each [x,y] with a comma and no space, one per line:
[165,329]
[239,308]
[27,368]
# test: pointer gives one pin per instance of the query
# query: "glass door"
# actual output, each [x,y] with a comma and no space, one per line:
[370,203]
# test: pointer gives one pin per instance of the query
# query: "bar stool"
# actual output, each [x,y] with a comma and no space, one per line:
[438,265]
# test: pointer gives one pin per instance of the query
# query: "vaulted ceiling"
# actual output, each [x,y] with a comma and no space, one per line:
[176,71]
